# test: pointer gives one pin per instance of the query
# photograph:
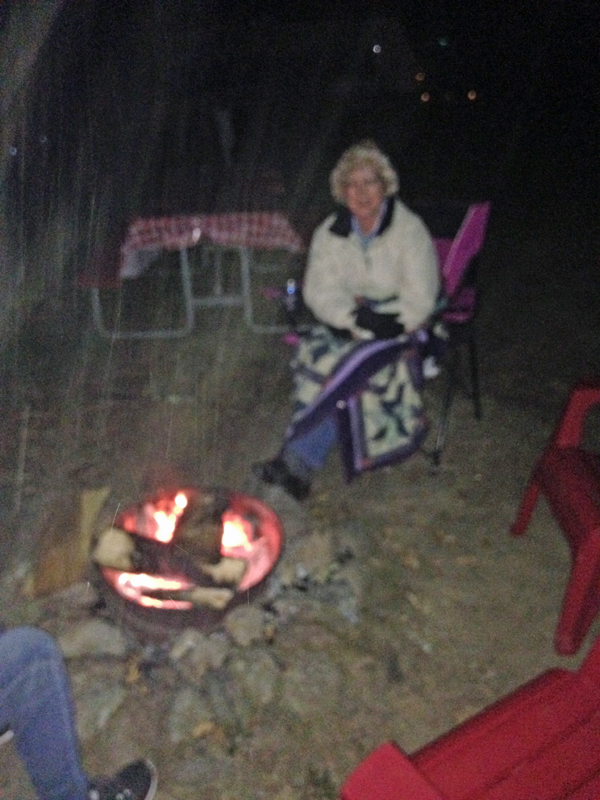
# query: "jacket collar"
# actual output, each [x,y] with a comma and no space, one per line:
[342,224]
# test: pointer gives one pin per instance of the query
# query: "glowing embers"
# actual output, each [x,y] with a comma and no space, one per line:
[139,587]
[237,532]
[189,549]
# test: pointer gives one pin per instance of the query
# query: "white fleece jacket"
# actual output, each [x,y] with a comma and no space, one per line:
[399,266]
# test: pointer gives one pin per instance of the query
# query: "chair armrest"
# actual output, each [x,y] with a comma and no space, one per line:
[590,667]
[583,397]
[442,247]
[387,774]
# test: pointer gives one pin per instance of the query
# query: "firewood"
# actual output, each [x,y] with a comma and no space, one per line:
[115,549]
[228,570]
[208,596]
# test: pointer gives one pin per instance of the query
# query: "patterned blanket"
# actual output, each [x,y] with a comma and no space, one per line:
[393,421]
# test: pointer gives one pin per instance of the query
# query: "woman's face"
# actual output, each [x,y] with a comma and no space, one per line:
[363,194]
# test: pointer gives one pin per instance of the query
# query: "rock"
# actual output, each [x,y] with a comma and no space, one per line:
[311,557]
[198,653]
[422,604]
[80,596]
[226,700]
[348,608]
[96,700]
[257,674]
[93,637]
[296,516]
[191,716]
[186,641]
[286,607]
[245,624]
[352,575]
[311,685]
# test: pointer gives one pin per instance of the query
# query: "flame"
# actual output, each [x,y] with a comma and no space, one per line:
[181,501]
[237,532]
[256,538]
[167,520]
[134,585]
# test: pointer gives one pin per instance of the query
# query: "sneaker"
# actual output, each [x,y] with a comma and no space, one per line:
[5,735]
[277,472]
[136,781]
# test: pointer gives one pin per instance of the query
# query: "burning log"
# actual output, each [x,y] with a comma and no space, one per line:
[228,570]
[210,596]
[124,553]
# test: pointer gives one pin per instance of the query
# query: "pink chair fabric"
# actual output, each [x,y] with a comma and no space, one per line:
[456,258]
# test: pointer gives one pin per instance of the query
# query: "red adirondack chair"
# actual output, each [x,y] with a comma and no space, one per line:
[569,478]
[542,742]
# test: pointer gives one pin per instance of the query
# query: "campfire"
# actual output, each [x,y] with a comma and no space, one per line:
[189,549]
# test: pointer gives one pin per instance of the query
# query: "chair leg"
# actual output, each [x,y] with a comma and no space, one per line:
[446,406]
[528,502]
[474,369]
[581,602]
[346,442]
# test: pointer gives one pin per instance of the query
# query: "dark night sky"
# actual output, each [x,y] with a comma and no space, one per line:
[533,62]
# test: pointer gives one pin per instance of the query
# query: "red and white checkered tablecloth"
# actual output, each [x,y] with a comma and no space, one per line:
[258,230]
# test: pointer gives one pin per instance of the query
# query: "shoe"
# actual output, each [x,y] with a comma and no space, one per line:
[277,473]
[136,781]
[5,735]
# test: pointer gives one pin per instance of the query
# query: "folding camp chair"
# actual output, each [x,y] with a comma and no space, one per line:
[458,312]
[341,396]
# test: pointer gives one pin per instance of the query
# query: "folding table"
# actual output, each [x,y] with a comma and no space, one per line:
[242,234]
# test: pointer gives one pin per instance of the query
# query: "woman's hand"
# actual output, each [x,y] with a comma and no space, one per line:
[384,326]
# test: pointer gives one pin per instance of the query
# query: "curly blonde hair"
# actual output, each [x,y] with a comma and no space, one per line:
[363,154]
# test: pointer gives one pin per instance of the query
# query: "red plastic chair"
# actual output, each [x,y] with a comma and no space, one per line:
[542,742]
[456,258]
[569,478]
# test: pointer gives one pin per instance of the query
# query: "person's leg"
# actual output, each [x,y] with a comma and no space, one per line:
[35,701]
[310,451]
[293,468]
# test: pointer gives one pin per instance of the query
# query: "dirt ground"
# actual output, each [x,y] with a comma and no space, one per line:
[468,611]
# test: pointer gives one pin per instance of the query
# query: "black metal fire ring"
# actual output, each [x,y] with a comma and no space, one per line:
[158,624]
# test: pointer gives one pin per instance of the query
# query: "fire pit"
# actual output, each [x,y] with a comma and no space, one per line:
[185,557]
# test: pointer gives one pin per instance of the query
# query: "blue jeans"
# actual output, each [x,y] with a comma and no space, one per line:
[313,447]
[36,703]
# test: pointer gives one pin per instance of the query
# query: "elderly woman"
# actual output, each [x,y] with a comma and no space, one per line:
[372,273]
